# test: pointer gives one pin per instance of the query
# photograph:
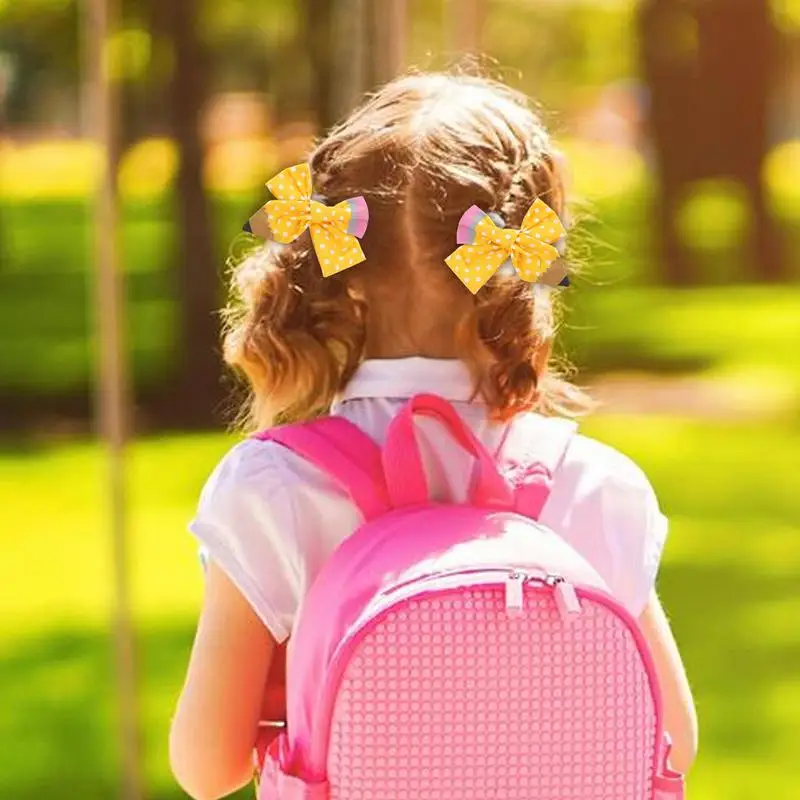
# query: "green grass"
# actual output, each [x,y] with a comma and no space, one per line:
[46,288]
[56,656]
[729,328]
[729,582]
[729,579]
[46,302]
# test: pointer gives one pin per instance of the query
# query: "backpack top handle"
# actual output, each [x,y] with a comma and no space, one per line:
[402,461]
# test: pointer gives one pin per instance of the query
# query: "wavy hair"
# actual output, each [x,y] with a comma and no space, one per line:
[421,150]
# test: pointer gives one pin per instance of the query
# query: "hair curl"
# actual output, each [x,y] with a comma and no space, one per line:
[421,150]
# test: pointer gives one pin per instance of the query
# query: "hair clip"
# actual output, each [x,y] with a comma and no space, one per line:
[487,245]
[335,230]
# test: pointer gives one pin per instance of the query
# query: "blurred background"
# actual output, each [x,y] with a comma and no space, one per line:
[681,120]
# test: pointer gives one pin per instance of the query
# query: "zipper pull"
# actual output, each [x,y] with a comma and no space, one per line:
[566,600]
[515,594]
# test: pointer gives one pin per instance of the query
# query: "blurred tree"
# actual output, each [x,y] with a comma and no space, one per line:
[710,66]
[337,37]
[42,38]
[370,48]
[351,52]
[198,391]
[101,115]
[318,37]
[386,40]
[464,22]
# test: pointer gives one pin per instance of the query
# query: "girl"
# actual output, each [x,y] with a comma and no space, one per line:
[358,344]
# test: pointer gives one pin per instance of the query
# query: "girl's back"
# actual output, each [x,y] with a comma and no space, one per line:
[264,505]
[319,325]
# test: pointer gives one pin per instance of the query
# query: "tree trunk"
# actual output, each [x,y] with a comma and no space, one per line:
[464,21]
[317,28]
[354,45]
[710,67]
[387,40]
[350,32]
[739,50]
[676,120]
[199,388]
[101,105]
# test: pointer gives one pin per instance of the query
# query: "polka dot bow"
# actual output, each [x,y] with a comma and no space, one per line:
[486,246]
[335,230]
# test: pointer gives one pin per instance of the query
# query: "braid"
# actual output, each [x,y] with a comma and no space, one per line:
[422,150]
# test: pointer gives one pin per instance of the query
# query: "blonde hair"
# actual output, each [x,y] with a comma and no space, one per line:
[421,150]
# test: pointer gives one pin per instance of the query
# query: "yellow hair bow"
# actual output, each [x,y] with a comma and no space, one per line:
[335,230]
[486,246]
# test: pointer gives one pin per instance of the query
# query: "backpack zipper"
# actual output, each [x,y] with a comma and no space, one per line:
[515,594]
[564,593]
[565,596]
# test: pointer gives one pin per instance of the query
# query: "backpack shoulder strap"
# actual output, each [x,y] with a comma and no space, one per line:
[531,453]
[342,451]
[351,458]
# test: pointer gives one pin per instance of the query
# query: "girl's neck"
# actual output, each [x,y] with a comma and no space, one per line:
[388,340]
[413,326]
[387,350]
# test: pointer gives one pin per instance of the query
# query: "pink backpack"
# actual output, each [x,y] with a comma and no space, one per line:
[461,652]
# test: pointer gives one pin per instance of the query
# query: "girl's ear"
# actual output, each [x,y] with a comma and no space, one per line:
[355,287]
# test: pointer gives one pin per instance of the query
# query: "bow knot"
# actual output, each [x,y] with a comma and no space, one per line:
[503,238]
[486,246]
[335,230]
[320,213]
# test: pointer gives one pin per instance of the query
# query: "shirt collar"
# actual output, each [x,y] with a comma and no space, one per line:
[405,377]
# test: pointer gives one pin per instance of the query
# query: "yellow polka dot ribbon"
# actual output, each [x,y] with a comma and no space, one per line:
[486,246]
[335,230]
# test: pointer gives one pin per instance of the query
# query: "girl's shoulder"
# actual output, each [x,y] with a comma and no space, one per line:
[259,519]
[594,461]
[580,459]
[258,465]
[605,505]
[261,486]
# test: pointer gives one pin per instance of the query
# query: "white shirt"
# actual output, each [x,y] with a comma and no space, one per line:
[270,520]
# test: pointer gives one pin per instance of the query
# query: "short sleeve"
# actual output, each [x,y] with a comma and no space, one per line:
[605,506]
[245,524]
[635,531]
